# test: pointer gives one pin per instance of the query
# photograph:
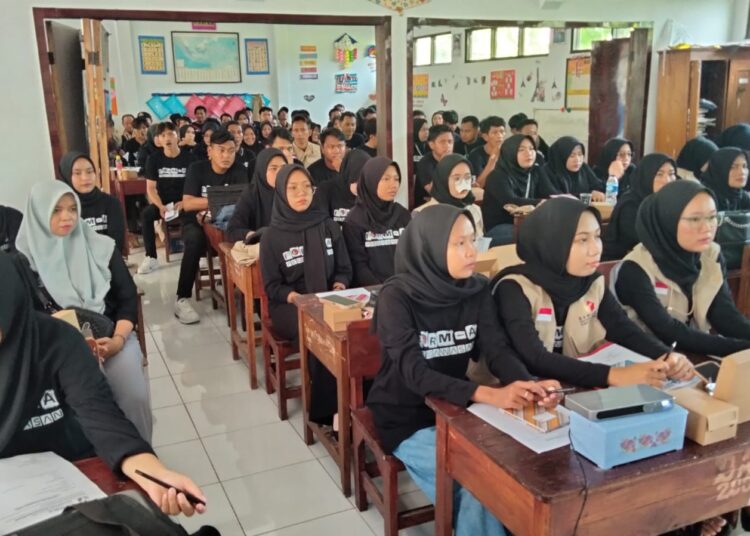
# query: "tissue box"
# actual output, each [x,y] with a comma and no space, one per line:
[339,311]
[731,385]
[709,420]
[622,440]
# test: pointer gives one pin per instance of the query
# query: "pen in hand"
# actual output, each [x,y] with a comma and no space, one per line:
[192,499]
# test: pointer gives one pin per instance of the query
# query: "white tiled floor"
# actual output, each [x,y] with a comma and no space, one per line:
[258,475]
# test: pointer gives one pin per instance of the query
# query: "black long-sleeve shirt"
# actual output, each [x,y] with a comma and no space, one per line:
[425,171]
[282,262]
[499,192]
[321,173]
[69,405]
[425,352]
[337,199]
[104,215]
[515,311]
[624,228]
[372,252]
[248,215]
[634,288]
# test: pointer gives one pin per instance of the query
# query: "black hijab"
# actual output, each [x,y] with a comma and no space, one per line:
[261,138]
[695,154]
[736,136]
[565,181]
[608,155]
[419,146]
[421,263]
[545,253]
[517,177]
[10,222]
[440,188]
[351,167]
[656,226]
[311,223]
[19,344]
[716,177]
[370,212]
[66,171]
[262,193]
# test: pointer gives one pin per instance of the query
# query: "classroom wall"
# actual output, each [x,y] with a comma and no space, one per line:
[27,158]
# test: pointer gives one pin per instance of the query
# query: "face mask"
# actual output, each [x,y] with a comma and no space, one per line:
[464,185]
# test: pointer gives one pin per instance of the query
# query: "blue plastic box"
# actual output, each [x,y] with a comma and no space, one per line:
[620,440]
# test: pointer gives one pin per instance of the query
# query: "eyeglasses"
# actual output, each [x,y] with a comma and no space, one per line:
[696,222]
[304,188]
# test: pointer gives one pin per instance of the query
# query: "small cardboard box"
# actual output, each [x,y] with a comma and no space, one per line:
[731,385]
[69,316]
[620,440]
[492,261]
[339,311]
[709,420]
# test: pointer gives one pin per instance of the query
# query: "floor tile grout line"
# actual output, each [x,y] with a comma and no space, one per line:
[309,521]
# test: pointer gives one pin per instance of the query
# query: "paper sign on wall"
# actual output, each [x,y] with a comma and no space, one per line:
[153,59]
[421,86]
[578,83]
[346,83]
[503,84]
[308,62]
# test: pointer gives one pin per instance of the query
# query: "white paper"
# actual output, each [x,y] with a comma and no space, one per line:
[35,487]
[359,294]
[523,433]
[171,213]
[483,244]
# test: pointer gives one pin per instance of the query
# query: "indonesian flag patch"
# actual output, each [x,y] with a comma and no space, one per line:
[544,314]
[661,288]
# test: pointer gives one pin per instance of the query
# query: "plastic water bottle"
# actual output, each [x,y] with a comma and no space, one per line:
[118,166]
[612,189]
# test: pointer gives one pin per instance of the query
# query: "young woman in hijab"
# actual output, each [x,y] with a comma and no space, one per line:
[567,171]
[373,227]
[76,267]
[265,130]
[693,158]
[10,221]
[736,136]
[302,252]
[250,140]
[616,160]
[253,209]
[42,358]
[726,175]
[435,291]
[100,210]
[201,149]
[452,186]
[518,181]
[187,138]
[674,282]
[420,132]
[556,305]
[656,171]
[339,196]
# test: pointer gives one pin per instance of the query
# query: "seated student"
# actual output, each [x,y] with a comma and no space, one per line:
[333,149]
[252,211]
[469,138]
[440,144]
[349,127]
[656,171]
[530,127]
[187,137]
[264,132]
[372,228]
[242,118]
[568,173]
[450,118]
[165,179]
[201,114]
[421,131]
[250,141]
[281,139]
[433,291]
[370,132]
[132,146]
[518,181]
[484,159]
[301,252]
[75,267]
[245,157]
[304,150]
[127,128]
[100,210]
[616,160]
[339,196]
[693,158]
[42,358]
[726,175]
[224,119]
[10,221]
[151,146]
[556,305]
[209,126]
[265,116]
[452,186]
[315,131]
[437,118]
[516,121]
[146,116]
[674,282]
[736,136]
[282,116]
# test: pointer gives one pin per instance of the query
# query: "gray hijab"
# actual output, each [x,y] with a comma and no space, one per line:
[74,269]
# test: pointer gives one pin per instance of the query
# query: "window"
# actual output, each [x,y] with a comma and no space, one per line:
[583,38]
[433,49]
[536,41]
[507,42]
[480,44]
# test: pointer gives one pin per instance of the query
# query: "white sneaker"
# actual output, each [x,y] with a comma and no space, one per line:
[148,265]
[185,313]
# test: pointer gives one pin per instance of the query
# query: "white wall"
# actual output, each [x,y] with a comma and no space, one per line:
[27,159]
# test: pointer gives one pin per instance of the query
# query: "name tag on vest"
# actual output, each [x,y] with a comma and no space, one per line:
[661,289]
[544,315]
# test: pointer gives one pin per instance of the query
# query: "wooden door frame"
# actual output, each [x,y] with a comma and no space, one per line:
[382,26]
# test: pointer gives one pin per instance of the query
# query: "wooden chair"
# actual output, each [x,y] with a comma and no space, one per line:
[363,363]
[276,352]
[739,283]
[172,229]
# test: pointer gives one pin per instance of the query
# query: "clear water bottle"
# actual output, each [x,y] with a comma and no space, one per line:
[612,189]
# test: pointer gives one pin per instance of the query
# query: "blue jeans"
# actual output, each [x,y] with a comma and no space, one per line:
[470,518]
[501,234]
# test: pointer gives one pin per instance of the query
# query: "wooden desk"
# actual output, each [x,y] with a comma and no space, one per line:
[214,237]
[121,189]
[246,279]
[518,220]
[331,348]
[541,494]
[100,474]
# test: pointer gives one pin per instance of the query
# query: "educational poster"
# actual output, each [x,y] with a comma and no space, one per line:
[256,56]
[346,83]
[308,62]
[421,86]
[153,55]
[503,84]
[578,83]
[206,57]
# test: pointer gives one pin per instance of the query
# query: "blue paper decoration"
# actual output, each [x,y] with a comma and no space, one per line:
[175,106]
[158,107]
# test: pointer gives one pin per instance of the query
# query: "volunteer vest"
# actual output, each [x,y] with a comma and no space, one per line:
[671,295]
[582,331]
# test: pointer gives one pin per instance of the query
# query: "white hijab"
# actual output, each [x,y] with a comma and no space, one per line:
[75,268]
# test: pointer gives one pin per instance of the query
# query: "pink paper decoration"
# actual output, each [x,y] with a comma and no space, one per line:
[192,103]
[234,105]
[218,107]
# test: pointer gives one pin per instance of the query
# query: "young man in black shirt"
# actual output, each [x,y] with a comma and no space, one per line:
[244,157]
[469,136]
[127,128]
[201,114]
[131,147]
[332,148]
[165,178]
[220,169]
[349,128]
[440,142]
[484,158]
[371,133]
[282,140]
[283,117]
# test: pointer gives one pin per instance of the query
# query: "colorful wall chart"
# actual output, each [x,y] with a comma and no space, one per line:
[153,55]
[206,57]
[346,83]
[578,83]
[308,62]
[421,86]
[256,56]
[503,84]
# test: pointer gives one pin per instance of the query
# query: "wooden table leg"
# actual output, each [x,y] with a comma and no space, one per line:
[211,282]
[344,441]
[443,482]
[232,314]
[250,329]
[224,285]
[305,373]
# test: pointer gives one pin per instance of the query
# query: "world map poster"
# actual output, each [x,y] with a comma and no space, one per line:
[206,57]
